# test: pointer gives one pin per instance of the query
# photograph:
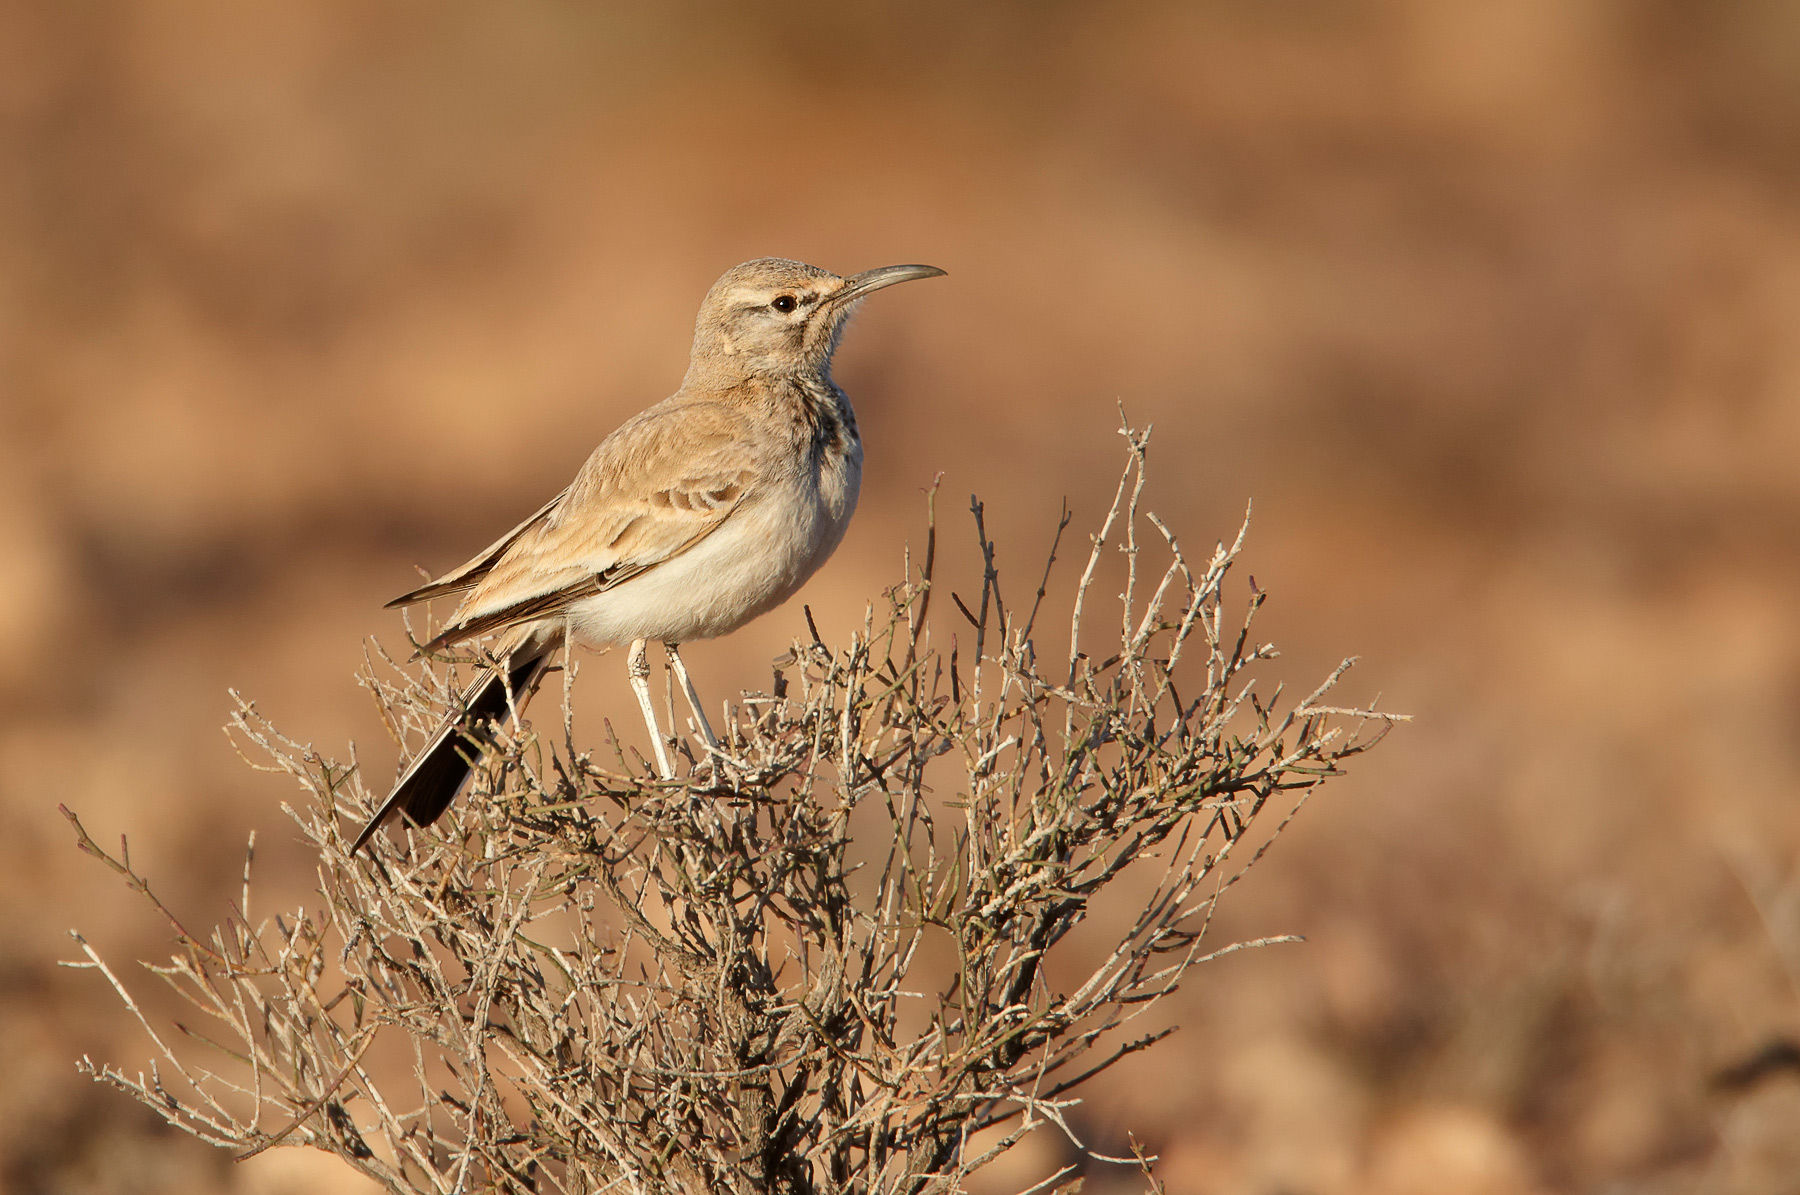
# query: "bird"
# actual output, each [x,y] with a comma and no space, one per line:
[695,516]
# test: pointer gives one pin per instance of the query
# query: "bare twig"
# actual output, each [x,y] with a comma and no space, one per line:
[592,983]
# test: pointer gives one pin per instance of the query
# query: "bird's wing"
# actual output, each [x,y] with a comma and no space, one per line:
[653,489]
[469,573]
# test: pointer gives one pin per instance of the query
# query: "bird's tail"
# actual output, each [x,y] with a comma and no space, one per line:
[437,772]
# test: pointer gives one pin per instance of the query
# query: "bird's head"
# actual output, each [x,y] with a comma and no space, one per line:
[774,317]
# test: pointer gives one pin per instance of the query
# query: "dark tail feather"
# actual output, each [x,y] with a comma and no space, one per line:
[437,772]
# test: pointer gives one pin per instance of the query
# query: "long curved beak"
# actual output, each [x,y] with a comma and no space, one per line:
[858,285]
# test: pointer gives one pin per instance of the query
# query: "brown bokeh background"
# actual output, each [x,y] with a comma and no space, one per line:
[1491,308]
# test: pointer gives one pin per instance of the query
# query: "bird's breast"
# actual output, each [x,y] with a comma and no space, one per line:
[775,539]
[836,486]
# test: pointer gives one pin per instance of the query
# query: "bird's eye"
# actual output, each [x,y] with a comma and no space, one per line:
[784,303]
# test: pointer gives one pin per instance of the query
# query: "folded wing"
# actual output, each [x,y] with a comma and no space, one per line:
[653,489]
[468,574]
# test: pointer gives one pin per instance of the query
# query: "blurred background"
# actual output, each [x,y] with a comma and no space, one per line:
[1490,308]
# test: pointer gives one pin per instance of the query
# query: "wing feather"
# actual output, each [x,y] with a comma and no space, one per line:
[653,489]
[468,574]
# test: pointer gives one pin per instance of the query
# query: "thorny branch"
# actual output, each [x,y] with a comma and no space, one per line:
[587,980]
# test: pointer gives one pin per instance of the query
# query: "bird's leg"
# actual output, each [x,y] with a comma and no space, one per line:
[718,763]
[693,698]
[637,664]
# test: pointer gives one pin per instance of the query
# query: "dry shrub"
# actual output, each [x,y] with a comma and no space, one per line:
[586,979]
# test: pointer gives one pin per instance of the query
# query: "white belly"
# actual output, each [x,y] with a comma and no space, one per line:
[758,558]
